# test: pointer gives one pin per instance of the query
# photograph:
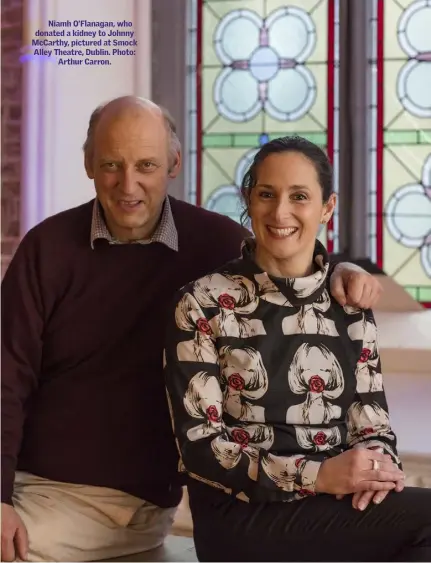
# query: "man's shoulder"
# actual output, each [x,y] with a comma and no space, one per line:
[53,244]
[198,216]
[67,225]
[209,239]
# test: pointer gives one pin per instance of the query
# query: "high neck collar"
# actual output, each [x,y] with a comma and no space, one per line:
[298,291]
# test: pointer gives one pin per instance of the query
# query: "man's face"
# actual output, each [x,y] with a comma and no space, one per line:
[131,165]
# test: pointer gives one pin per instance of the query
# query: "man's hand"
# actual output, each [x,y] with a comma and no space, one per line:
[14,539]
[352,285]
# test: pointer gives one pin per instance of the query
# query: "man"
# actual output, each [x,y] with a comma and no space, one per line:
[89,464]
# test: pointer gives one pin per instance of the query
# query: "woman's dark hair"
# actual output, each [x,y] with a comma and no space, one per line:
[288,144]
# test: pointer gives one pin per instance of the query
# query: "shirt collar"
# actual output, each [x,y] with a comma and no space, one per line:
[166,232]
[298,291]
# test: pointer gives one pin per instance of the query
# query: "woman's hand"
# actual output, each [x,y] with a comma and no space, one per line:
[360,501]
[356,471]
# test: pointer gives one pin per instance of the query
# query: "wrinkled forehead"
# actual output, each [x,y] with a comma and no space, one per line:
[131,128]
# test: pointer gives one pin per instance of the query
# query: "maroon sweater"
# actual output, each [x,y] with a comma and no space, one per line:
[83,398]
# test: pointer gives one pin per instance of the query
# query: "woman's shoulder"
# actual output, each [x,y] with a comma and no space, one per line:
[230,278]
[361,324]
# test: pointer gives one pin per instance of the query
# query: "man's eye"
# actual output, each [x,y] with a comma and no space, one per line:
[147,165]
[110,166]
[300,196]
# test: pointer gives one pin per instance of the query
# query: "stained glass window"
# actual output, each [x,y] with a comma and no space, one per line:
[400,194]
[258,69]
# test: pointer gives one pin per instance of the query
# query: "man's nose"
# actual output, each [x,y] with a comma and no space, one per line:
[129,181]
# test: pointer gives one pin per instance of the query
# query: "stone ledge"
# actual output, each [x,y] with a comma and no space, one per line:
[174,549]
[405,341]
[183,525]
[417,469]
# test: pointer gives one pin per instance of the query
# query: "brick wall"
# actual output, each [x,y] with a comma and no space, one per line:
[11,95]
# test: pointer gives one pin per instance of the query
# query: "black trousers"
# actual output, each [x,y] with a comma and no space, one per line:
[319,528]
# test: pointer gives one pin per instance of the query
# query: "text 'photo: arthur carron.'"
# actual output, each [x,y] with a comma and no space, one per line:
[83,42]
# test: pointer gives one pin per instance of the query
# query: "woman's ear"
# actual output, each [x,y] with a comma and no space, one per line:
[328,208]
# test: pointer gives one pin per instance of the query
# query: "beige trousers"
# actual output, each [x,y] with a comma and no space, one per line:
[67,522]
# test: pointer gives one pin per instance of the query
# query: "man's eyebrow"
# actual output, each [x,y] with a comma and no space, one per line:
[138,161]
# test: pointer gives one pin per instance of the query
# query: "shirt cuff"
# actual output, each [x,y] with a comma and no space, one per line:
[307,475]
[7,483]
[380,447]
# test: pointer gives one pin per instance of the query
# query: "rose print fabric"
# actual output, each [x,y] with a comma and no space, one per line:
[267,377]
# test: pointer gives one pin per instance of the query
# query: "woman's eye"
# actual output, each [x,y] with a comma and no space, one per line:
[265,195]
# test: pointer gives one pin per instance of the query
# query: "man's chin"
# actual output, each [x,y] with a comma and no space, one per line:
[136,217]
[129,228]
[123,208]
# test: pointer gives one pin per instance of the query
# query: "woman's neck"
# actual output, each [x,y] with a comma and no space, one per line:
[294,267]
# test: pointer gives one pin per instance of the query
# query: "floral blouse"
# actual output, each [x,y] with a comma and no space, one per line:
[267,377]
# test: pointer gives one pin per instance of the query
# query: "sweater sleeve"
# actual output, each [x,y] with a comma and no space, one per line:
[368,417]
[230,455]
[22,327]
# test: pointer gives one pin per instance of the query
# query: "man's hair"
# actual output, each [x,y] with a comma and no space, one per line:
[171,128]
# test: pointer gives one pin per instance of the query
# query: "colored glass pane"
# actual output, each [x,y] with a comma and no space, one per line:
[258,69]
[400,194]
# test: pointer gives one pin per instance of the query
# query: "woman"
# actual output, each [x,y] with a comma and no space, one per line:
[276,393]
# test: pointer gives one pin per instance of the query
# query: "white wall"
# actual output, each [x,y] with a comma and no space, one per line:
[58,101]
[408,396]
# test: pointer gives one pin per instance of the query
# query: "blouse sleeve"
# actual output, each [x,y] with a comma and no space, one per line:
[224,456]
[368,417]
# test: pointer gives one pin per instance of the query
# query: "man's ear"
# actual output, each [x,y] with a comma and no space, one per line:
[175,167]
[89,167]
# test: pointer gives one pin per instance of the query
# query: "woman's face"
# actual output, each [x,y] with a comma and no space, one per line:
[286,209]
